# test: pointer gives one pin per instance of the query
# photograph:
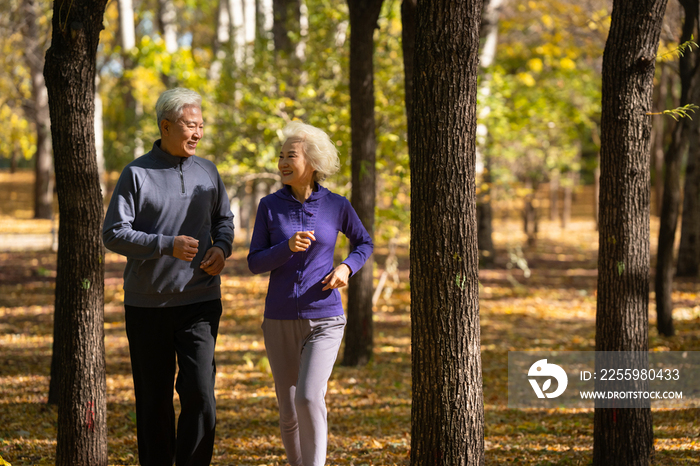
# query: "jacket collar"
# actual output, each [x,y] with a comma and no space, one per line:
[318,192]
[169,160]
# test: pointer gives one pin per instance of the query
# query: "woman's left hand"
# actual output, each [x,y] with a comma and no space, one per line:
[338,278]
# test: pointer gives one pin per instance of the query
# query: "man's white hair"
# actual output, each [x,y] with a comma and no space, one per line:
[319,150]
[171,102]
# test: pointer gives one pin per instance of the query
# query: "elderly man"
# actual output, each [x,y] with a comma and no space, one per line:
[170,216]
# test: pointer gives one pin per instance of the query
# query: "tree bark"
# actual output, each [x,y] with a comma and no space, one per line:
[43,165]
[447,416]
[625,436]
[359,336]
[689,76]
[689,249]
[79,321]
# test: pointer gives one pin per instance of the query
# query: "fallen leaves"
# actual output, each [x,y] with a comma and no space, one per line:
[370,407]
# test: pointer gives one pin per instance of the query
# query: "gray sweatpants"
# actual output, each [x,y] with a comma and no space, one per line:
[301,354]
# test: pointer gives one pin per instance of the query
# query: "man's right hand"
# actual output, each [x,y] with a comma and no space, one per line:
[185,248]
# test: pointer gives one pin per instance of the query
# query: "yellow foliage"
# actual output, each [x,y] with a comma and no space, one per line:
[527,79]
[567,63]
[547,21]
[535,64]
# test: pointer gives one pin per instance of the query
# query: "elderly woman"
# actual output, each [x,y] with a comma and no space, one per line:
[294,238]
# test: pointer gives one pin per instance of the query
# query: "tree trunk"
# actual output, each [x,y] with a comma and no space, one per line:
[658,132]
[554,195]
[596,192]
[689,249]
[568,198]
[43,166]
[167,22]
[133,108]
[663,283]
[363,20]
[625,436]
[530,215]
[78,321]
[221,40]
[16,149]
[447,416]
[408,36]
[484,213]
[672,179]
[286,17]
[99,137]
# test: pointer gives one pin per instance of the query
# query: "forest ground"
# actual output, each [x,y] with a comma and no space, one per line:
[369,407]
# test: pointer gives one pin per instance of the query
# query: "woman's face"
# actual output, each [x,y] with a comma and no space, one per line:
[295,169]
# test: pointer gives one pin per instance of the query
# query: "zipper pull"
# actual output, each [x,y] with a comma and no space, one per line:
[182,176]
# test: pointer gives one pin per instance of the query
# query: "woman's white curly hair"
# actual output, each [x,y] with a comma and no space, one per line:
[319,150]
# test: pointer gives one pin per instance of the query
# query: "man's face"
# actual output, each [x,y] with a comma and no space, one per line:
[180,137]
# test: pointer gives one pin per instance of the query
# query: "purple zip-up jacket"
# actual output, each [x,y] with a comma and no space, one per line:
[295,288]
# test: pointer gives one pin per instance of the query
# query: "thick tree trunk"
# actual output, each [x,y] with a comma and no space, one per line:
[672,179]
[689,249]
[43,165]
[359,336]
[79,320]
[447,416]
[625,436]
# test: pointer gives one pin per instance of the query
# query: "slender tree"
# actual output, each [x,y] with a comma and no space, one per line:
[689,249]
[286,17]
[447,417]
[359,339]
[670,206]
[167,24]
[78,320]
[43,166]
[484,212]
[408,37]
[625,436]
[127,40]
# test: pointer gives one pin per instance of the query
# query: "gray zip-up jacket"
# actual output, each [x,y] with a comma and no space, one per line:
[158,197]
